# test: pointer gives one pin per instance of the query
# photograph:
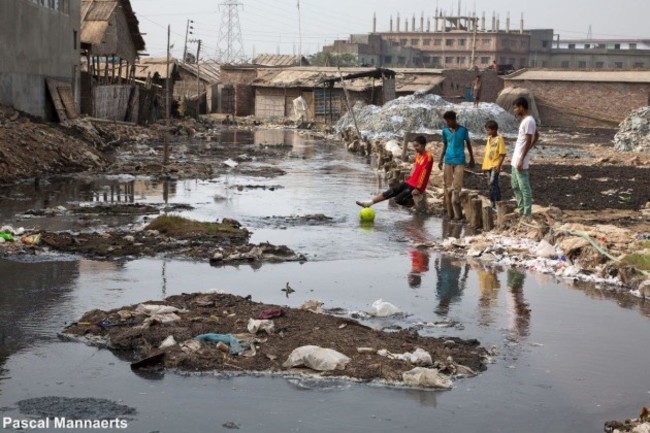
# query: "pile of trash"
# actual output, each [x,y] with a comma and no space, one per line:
[596,254]
[420,113]
[634,132]
[228,333]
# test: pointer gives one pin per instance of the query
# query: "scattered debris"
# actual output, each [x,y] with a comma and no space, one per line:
[634,132]
[423,114]
[213,335]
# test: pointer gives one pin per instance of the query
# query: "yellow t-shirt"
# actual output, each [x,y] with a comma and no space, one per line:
[494,148]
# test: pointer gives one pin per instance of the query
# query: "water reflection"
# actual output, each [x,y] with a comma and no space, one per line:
[419,266]
[489,285]
[518,309]
[451,279]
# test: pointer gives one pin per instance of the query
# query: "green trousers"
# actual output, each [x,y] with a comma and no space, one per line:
[520,182]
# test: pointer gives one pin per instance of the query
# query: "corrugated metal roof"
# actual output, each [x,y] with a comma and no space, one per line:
[209,71]
[279,60]
[412,83]
[151,66]
[94,11]
[581,75]
[100,10]
[311,77]
[92,32]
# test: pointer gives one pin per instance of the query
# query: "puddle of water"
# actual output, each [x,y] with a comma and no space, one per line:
[568,358]
[560,362]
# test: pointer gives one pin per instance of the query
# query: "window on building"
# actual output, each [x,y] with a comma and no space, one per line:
[638,65]
[394,43]
[633,46]
[462,42]
[485,60]
[512,61]
[544,64]
[599,65]
[401,60]
[523,44]
[572,46]
[618,65]
[449,60]
[437,42]
[582,64]
[617,46]
[74,39]
[388,60]
[523,63]
[545,44]
[513,44]
[426,41]
[435,61]
[402,42]
[564,64]
[372,61]
[426,59]
[602,46]
[506,43]
[449,42]
[587,46]
[415,42]
[460,60]
[487,41]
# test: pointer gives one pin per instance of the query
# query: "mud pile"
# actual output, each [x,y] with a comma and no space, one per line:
[634,132]
[29,148]
[423,114]
[263,338]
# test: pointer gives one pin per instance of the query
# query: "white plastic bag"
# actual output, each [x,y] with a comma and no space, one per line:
[254,326]
[383,309]
[426,377]
[316,358]
[168,342]
[544,249]
[393,147]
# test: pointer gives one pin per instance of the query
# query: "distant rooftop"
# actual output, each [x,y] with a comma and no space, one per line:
[624,76]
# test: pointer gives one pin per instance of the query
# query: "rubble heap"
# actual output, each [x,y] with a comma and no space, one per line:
[634,132]
[423,114]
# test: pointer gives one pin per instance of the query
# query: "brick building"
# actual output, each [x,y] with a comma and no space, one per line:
[461,42]
[584,98]
[600,54]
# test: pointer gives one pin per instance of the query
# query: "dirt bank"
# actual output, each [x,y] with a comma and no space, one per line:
[31,148]
[224,242]
[136,336]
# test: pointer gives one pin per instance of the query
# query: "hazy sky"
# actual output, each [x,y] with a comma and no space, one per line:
[271,26]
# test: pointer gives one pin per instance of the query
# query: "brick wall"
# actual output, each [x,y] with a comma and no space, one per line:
[585,104]
[457,80]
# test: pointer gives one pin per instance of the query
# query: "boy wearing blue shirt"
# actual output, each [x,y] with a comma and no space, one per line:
[454,139]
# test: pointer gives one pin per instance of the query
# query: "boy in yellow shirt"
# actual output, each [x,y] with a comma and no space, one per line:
[495,153]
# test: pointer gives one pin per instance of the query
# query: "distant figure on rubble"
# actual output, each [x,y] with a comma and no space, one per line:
[476,90]
[526,139]
[414,185]
[454,139]
[495,153]
[227,121]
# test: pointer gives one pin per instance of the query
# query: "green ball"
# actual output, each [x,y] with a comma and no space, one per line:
[367,215]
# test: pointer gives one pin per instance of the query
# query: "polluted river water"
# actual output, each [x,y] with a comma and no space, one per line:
[566,357]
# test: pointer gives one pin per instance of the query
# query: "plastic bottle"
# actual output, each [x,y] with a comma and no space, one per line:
[7,236]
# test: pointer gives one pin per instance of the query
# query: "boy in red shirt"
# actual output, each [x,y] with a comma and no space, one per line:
[415,185]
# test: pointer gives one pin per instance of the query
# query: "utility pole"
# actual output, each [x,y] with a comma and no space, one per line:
[299,37]
[167,108]
[198,80]
[187,32]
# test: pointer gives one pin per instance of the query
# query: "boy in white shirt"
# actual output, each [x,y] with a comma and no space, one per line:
[526,139]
